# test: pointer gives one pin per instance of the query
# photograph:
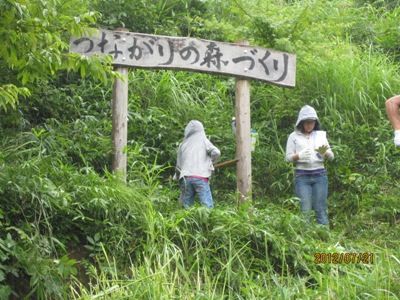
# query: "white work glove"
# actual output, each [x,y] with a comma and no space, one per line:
[396,138]
[305,154]
[175,177]
[322,149]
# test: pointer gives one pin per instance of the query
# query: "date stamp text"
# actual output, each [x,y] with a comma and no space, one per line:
[346,258]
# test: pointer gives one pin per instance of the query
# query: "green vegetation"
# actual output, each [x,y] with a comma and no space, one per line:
[70,229]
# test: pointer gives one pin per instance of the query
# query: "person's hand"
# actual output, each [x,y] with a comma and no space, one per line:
[322,149]
[175,177]
[305,154]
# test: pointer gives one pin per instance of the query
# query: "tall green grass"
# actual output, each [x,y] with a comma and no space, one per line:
[225,253]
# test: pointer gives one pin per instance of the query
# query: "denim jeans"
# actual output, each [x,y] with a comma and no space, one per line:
[192,186]
[313,193]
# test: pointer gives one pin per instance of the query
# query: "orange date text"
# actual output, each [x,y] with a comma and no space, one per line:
[346,258]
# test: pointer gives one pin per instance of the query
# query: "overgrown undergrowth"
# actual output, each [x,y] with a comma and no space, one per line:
[71,233]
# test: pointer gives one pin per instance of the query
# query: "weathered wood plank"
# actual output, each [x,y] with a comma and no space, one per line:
[190,54]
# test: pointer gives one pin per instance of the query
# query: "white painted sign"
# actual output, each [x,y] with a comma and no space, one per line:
[176,53]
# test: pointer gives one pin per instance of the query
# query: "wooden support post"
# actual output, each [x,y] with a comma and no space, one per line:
[243,140]
[120,122]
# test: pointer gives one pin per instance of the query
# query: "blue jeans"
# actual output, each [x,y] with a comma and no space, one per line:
[313,193]
[192,186]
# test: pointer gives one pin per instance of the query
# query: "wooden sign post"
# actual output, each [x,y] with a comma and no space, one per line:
[120,121]
[130,49]
[243,142]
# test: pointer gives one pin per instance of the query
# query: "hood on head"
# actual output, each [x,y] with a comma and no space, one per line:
[193,127]
[307,112]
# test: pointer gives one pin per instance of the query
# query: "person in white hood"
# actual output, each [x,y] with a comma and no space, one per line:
[307,148]
[196,156]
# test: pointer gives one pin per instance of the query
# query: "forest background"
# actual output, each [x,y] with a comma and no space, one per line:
[71,229]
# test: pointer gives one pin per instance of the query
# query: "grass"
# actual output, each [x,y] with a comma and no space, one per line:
[227,254]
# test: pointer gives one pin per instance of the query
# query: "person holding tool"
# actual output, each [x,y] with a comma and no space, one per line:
[195,159]
[307,148]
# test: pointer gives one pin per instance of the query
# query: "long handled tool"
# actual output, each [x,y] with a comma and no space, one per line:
[222,164]
[225,163]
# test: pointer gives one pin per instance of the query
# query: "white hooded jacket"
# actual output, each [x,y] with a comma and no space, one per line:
[297,142]
[196,154]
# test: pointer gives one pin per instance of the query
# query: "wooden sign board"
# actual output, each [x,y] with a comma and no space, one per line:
[177,53]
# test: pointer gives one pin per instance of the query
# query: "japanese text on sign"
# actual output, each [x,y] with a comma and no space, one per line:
[162,52]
